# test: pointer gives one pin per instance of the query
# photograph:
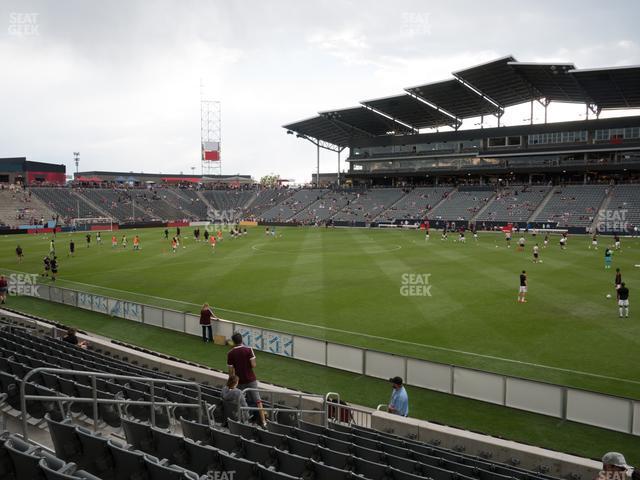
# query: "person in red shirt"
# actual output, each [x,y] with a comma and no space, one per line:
[4,287]
[241,361]
[206,315]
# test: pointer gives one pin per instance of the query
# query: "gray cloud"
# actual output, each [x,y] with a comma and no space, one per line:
[120,81]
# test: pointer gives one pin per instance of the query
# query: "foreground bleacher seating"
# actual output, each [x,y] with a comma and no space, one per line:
[180,446]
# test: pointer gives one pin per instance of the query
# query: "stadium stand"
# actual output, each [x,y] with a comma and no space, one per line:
[626,198]
[120,203]
[67,203]
[266,199]
[230,200]
[415,205]
[190,200]
[369,204]
[515,204]
[461,205]
[574,205]
[20,207]
[325,208]
[161,205]
[285,210]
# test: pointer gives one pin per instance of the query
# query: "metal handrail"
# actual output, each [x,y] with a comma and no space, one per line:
[299,410]
[357,416]
[96,401]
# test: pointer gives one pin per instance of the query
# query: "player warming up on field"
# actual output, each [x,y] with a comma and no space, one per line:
[536,254]
[623,300]
[522,292]
[19,253]
[563,241]
[618,282]
[608,256]
[136,243]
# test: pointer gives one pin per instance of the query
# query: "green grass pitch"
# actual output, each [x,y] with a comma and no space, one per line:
[350,285]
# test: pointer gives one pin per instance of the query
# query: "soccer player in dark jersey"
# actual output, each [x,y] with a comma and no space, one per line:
[623,301]
[618,282]
[72,248]
[166,234]
[47,266]
[19,253]
[522,292]
[88,236]
[54,268]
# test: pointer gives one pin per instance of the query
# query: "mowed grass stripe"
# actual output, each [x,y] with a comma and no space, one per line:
[567,322]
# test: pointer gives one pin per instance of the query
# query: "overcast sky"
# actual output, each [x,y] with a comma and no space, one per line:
[119,81]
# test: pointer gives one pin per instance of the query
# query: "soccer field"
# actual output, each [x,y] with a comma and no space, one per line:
[351,286]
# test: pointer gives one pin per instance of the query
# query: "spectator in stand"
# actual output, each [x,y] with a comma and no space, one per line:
[241,361]
[234,397]
[72,338]
[206,315]
[614,466]
[399,403]
[4,288]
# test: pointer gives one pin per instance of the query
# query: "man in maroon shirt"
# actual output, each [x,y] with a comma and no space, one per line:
[4,288]
[241,361]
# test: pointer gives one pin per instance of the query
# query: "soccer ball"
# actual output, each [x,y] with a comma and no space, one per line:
[608,295]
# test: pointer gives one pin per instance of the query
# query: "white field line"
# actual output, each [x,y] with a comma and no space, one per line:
[366,335]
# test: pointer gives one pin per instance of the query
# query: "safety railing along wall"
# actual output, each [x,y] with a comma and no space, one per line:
[567,403]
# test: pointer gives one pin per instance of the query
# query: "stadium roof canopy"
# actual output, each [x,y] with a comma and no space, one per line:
[552,80]
[485,89]
[367,121]
[455,98]
[324,129]
[411,111]
[498,81]
[617,87]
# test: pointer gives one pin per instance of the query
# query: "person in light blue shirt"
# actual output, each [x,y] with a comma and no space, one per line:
[399,403]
